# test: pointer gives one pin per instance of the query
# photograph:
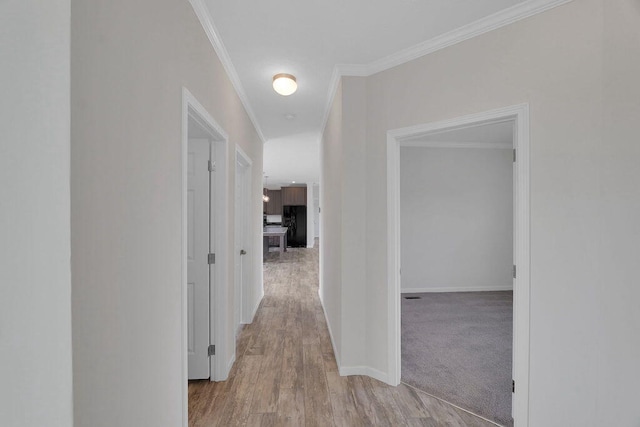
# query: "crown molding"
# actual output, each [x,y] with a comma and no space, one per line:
[202,12]
[484,25]
[333,87]
[340,70]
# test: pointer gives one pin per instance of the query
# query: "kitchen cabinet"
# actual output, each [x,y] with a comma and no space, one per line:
[294,196]
[274,205]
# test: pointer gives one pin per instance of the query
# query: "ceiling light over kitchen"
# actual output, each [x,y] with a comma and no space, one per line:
[284,84]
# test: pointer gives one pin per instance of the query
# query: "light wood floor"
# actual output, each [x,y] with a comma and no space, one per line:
[286,375]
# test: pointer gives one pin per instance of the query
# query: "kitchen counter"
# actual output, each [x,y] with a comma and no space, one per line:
[271,231]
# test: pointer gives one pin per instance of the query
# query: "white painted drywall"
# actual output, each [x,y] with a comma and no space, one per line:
[342,264]
[128,69]
[580,86]
[617,157]
[353,227]
[331,223]
[35,271]
[456,219]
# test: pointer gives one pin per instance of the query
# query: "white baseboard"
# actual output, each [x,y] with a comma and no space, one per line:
[363,370]
[333,343]
[255,310]
[455,289]
[230,364]
[352,370]
[223,376]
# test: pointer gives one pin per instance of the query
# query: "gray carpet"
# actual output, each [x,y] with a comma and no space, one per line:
[457,346]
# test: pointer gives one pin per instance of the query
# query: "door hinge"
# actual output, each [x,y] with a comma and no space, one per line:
[514,155]
[513,386]
[211,259]
[212,166]
[514,271]
[211,351]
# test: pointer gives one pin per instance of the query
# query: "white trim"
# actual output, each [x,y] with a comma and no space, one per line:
[440,289]
[231,361]
[239,328]
[191,108]
[363,370]
[393,260]
[489,23]
[521,285]
[484,25]
[202,12]
[445,144]
[333,87]
[184,154]
[336,353]
[255,309]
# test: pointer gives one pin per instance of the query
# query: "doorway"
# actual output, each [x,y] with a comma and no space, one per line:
[201,134]
[395,139]
[456,206]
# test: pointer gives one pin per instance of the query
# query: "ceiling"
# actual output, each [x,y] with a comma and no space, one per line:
[309,39]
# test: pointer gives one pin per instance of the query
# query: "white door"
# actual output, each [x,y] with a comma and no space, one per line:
[238,246]
[241,226]
[198,277]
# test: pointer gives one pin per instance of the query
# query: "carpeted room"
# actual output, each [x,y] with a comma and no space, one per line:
[456,206]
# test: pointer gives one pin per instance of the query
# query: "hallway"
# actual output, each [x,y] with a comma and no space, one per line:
[286,375]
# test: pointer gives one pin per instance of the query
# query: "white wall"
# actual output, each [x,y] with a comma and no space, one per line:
[128,68]
[35,272]
[583,94]
[311,215]
[456,219]
[618,208]
[330,288]
[343,259]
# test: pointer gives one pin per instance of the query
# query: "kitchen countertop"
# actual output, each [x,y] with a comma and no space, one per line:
[274,230]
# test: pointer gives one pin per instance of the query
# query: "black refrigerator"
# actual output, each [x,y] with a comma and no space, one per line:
[295,219]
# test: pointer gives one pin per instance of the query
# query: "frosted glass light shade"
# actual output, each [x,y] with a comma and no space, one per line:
[284,84]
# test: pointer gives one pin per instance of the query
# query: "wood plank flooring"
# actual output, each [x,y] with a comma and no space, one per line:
[285,372]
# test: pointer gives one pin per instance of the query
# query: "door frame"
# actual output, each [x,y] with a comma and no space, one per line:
[219,367]
[244,221]
[521,217]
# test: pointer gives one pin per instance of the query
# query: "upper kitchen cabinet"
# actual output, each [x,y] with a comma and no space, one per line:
[294,196]
[274,205]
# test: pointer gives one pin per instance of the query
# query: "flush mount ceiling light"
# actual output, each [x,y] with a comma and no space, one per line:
[284,84]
